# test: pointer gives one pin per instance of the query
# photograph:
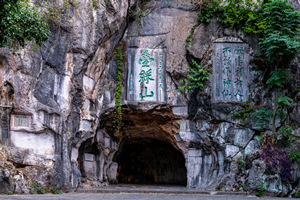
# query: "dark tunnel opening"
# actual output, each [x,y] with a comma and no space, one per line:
[150,161]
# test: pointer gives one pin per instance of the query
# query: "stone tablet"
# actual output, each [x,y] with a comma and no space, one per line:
[146,75]
[230,72]
[21,121]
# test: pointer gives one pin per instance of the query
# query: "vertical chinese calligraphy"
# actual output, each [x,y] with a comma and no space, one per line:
[160,71]
[230,65]
[239,51]
[146,75]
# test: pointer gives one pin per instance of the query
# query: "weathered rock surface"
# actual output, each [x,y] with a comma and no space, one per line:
[57,104]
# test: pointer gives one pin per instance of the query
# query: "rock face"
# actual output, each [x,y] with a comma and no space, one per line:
[57,103]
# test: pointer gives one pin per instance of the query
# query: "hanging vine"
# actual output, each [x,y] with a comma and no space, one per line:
[118,110]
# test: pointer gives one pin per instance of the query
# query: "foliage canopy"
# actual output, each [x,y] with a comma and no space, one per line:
[20,23]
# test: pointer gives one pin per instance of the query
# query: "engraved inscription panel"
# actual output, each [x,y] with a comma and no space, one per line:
[146,75]
[21,121]
[230,72]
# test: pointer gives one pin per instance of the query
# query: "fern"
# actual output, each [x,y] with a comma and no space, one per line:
[284,102]
[279,17]
[262,117]
[279,49]
[278,78]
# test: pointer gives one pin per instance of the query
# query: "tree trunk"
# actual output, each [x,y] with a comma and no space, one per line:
[274,116]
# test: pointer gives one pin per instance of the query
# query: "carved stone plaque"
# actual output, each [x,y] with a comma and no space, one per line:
[146,75]
[230,72]
[21,121]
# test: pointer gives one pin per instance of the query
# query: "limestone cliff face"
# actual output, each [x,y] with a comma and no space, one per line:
[57,103]
[51,99]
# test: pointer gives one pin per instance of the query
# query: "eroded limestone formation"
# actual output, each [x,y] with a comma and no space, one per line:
[57,104]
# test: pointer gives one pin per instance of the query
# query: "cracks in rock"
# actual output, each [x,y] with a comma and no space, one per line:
[159,44]
[94,87]
[145,35]
[176,85]
[20,165]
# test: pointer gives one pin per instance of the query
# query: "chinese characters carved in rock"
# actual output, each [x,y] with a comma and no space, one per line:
[230,72]
[146,75]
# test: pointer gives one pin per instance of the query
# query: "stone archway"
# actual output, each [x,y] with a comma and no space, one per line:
[148,150]
[150,161]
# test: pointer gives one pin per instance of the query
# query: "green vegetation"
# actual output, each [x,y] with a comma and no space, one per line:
[195,79]
[56,191]
[239,14]
[36,187]
[261,190]
[286,132]
[262,118]
[118,110]
[189,38]
[297,192]
[241,164]
[57,13]
[20,23]
[95,4]
[279,46]
[207,12]
[218,187]
[140,11]
[138,16]
[245,113]
[9,193]
[294,156]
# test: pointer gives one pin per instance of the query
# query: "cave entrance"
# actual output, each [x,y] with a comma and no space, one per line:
[150,161]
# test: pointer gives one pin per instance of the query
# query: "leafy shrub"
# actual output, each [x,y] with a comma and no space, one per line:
[295,156]
[56,191]
[260,191]
[20,23]
[239,14]
[195,79]
[297,192]
[36,187]
[207,12]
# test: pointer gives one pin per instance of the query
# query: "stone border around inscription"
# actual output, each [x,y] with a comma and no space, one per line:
[230,71]
[20,122]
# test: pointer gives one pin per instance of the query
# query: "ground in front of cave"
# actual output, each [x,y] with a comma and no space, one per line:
[141,192]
